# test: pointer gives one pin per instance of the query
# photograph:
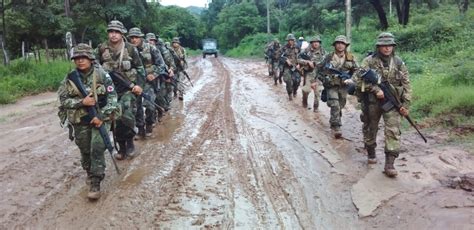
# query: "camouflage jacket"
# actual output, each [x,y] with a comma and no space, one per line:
[180,58]
[347,64]
[71,99]
[167,56]
[151,59]
[394,71]
[271,51]
[131,65]
[316,56]
[288,52]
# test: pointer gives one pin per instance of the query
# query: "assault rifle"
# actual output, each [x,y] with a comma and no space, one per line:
[350,88]
[122,82]
[390,100]
[92,112]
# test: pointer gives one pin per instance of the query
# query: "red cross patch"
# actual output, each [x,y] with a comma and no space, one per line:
[110,88]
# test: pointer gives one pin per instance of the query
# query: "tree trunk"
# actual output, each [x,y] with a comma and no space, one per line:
[46,50]
[406,11]
[6,60]
[348,21]
[268,17]
[399,11]
[67,8]
[463,6]
[381,13]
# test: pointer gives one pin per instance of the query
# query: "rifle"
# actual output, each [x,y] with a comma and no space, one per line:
[343,76]
[122,82]
[306,57]
[92,112]
[390,100]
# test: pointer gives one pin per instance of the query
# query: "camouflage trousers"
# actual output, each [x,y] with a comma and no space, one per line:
[272,68]
[307,86]
[92,149]
[370,117]
[165,95]
[181,81]
[336,101]
[125,126]
[150,110]
[292,81]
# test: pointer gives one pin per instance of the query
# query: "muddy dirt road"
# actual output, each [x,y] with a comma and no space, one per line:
[236,154]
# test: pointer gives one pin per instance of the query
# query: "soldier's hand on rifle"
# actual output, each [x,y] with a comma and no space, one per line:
[314,85]
[150,77]
[311,64]
[380,95]
[403,111]
[288,62]
[88,101]
[96,122]
[137,90]
[171,72]
[348,82]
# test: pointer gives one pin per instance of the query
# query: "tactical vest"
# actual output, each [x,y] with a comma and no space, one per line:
[291,53]
[348,65]
[147,59]
[110,61]
[390,73]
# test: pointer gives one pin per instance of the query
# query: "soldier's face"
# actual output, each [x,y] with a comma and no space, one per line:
[386,50]
[315,45]
[136,41]
[153,42]
[291,42]
[83,64]
[114,36]
[175,44]
[339,46]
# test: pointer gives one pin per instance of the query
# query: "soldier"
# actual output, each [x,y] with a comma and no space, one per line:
[391,69]
[315,53]
[181,65]
[122,57]
[272,58]
[166,82]
[86,133]
[345,62]
[154,65]
[288,59]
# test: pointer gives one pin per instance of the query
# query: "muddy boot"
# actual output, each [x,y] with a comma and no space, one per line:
[305,99]
[141,132]
[279,80]
[94,191]
[149,130]
[276,82]
[290,98]
[121,154]
[315,105]
[336,131]
[371,158]
[389,169]
[130,148]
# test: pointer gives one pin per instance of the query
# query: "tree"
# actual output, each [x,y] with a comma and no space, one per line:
[403,11]
[381,13]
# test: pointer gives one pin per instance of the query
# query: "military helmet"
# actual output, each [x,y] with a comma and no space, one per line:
[290,37]
[150,36]
[301,38]
[341,38]
[135,32]
[275,40]
[316,38]
[176,40]
[385,39]
[117,26]
[82,50]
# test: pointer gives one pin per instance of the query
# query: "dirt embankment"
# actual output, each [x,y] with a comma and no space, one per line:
[235,154]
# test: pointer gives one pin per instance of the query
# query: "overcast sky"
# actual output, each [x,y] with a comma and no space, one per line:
[184,3]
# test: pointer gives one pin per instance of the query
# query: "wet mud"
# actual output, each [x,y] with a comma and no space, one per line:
[235,154]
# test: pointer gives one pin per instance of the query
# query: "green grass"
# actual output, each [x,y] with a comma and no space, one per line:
[23,78]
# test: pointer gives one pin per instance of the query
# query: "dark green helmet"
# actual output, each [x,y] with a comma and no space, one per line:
[82,50]
[116,26]
[385,39]
[135,32]
[150,36]
[342,39]
[316,38]
[176,40]
[290,37]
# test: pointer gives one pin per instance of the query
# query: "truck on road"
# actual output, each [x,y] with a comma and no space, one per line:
[209,47]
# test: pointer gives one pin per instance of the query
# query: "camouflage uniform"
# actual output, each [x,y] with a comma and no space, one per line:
[166,83]
[86,136]
[272,58]
[180,61]
[393,70]
[154,64]
[316,56]
[132,68]
[334,86]
[289,73]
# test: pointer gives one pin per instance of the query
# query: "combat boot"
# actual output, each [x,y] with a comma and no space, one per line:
[315,105]
[276,82]
[94,191]
[279,80]
[290,97]
[149,130]
[121,154]
[130,148]
[336,131]
[371,158]
[389,169]
[141,132]
[89,178]
[305,99]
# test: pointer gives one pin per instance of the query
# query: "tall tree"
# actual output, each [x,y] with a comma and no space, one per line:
[403,11]
[348,20]
[381,13]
